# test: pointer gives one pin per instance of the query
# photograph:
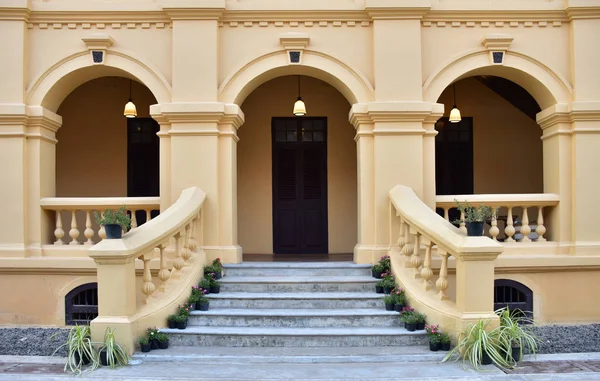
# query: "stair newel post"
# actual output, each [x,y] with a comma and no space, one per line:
[178,262]
[59,233]
[416,259]
[164,274]
[148,287]
[426,272]
[442,281]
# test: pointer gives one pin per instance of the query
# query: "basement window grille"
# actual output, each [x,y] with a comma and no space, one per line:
[515,295]
[81,304]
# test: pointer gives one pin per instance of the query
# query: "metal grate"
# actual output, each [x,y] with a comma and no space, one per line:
[81,304]
[515,295]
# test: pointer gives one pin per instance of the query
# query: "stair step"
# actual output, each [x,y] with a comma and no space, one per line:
[297,269]
[297,318]
[290,355]
[294,337]
[278,300]
[298,284]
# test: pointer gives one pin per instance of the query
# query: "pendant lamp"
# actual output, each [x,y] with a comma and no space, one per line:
[455,112]
[299,106]
[130,110]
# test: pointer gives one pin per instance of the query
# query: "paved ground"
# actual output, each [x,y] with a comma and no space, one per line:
[566,367]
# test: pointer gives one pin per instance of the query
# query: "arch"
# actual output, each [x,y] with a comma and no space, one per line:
[545,85]
[515,295]
[81,304]
[55,84]
[353,85]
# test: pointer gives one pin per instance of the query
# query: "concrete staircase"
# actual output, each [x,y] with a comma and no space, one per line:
[303,307]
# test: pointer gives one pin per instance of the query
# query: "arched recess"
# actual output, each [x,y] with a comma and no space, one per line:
[546,86]
[81,304]
[514,295]
[352,84]
[54,85]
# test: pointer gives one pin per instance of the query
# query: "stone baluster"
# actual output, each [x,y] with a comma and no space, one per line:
[408,248]
[415,259]
[102,231]
[74,232]
[509,230]
[494,231]
[59,233]
[165,273]
[401,238]
[88,232]
[134,223]
[463,225]
[148,286]
[426,271]
[186,253]
[541,229]
[178,262]
[193,245]
[390,230]
[148,215]
[447,214]
[442,281]
[525,228]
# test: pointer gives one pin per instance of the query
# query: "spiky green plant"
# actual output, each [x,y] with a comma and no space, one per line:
[79,347]
[515,332]
[115,354]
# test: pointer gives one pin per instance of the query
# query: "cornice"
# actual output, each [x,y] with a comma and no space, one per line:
[15,14]
[294,15]
[93,17]
[578,13]
[495,15]
[194,13]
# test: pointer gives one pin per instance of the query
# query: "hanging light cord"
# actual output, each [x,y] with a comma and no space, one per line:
[130,83]
[299,97]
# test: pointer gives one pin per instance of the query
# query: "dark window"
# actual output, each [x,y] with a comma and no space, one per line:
[81,304]
[515,295]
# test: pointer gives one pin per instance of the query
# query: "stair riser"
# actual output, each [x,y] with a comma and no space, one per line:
[383,358]
[295,303]
[295,321]
[295,341]
[298,287]
[297,272]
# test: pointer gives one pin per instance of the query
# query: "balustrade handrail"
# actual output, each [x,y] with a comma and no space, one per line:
[428,223]
[79,203]
[497,200]
[156,231]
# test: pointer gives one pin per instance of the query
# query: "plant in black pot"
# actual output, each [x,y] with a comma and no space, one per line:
[171,321]
[112,354]
[410,322]
[433,333]
[217,267]
[399,299]
[80,349]
[421,321]
[388,284]
[379,286]
[163,340]
[205,285]
[215,285]
[475,217]
[445,341]
[389,302]
[145,344]
[516,334]
[377,270]
[405,313]
[152,334]
[114,222]
[203,303]
[183,312]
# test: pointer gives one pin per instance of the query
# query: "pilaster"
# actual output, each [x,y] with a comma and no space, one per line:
[13,22]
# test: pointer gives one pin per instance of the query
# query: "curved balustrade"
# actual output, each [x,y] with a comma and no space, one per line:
[78,213]
[421,233]
[528,209]
[178,230]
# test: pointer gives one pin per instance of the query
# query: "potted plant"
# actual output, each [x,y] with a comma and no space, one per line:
[515,334]
[376,271]
[379,286]
[405,312]
[114,222]
[217,268]
[145,344]
[195,297]
[163,340]
[388,284]
[152,334]
[181,321]
[479,346]
[112,354]
[420,321]
[433,333]
[202,303]
[215,286]
[474,217]
[399,299]
[171,321]
[80,349]
[205,285]
[410,322]
[445,341]
[389,302]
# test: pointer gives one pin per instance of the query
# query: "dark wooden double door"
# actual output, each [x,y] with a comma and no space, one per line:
[299,185]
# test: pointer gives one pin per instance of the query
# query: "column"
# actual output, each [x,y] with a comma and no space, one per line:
[42,126]
[164,162]
[365,249]
[229,250]
[557,166]
[429,155]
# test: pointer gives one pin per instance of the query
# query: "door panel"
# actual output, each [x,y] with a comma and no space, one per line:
[299,185]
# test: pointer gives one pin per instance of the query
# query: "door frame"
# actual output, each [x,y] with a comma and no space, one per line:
[324,199]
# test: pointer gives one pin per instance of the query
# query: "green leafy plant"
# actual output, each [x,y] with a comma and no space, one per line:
[144,340]
[378,269]
[388,282]
[420,317]
[476,340]
[445,338]
[115,354]
[406,312]
[171,317]
[204,283]
[162,337]
[79,348]
[514,333]
[471,213]
[183,310]
[411,319]
[435,339]
[389,299]
[180,318]
[217,265]
[213,280]
[380,283]
[118,217]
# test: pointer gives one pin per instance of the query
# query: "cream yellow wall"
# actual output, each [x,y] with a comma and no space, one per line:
[507,149]
[276,98]
[91,153]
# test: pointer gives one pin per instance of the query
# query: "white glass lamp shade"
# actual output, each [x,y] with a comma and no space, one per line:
[455,115]
[130,110]
[299,108]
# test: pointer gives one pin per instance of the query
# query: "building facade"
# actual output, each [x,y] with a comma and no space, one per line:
[214,83]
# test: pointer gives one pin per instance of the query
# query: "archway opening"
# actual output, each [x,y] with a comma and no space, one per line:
[296,176]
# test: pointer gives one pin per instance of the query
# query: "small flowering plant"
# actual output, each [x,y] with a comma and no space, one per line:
[433,330]
[152,333]
[212,278]
[217,265]
[405,312]
[183,310]
[399,296]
